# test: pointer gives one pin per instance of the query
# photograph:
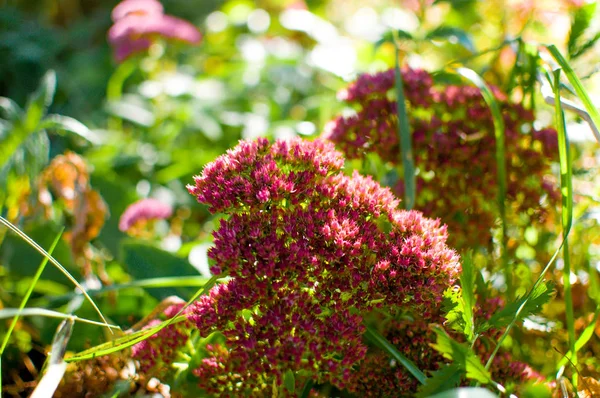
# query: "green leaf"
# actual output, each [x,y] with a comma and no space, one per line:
[24,126]
[142,260]
[452,306]
[581,21]
[444,379]
[69,125]
[390,36]
[26,160]
[462,355]
[39,101]
[11,111]
[376,338]
[583,48]
[541,295]
[466,392]
[289,381]
[453,35]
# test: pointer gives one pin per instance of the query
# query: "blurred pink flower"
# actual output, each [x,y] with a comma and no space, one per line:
[139,7]
[145,209]
[138,22]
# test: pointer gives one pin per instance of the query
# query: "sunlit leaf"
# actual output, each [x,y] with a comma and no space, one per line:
[541,295]
[461,355]
[583,48]
[581,22]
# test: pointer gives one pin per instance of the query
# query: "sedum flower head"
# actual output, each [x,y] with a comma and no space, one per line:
[310,250]
[454,149]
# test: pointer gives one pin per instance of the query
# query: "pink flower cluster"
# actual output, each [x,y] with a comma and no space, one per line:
[310,252]
[144,210]
[138,22]
[454,149]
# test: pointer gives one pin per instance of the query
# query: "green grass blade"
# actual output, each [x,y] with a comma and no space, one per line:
[578,86]
[25,299]
[566,223]
[567,208]
[122,342]
[491,102]
[10,312]
[467,284]
[585,336]
[404,137]
[36,277]
[135,337]
[44,253]
[374,336]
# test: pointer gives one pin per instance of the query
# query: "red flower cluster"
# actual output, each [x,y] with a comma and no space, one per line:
[454,150]
[310,252]
[138,22]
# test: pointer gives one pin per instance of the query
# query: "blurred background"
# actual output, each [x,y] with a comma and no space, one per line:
[263,68]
